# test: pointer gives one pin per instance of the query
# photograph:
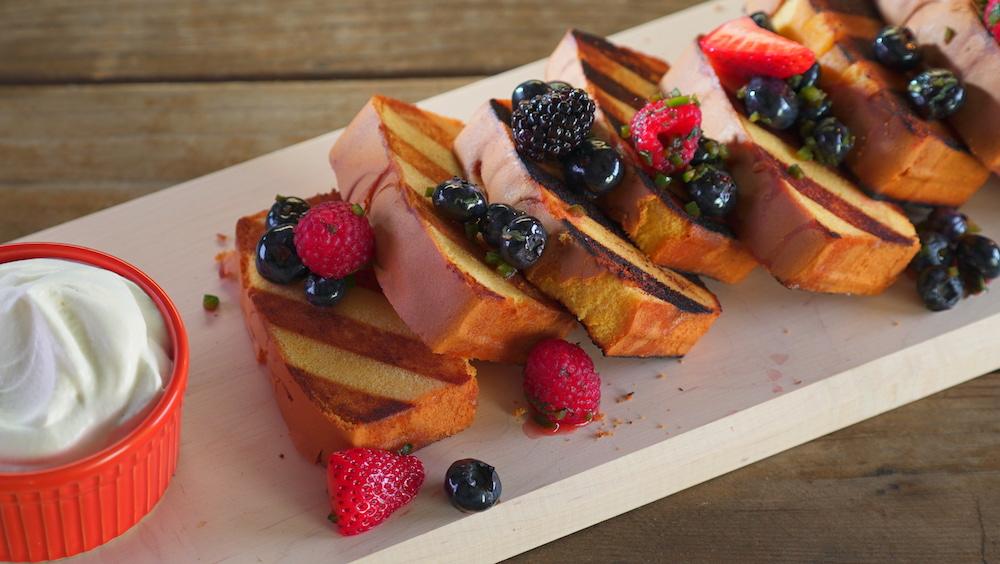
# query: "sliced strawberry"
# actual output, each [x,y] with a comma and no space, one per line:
[742,48]
[992,18]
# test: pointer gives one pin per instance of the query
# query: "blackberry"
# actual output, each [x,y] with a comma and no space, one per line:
[551,125]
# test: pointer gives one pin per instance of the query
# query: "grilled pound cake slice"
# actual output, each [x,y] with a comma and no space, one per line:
[629,306]
[621,81]
[897,154]
[429,270]
[954,36]
[351,375]
[814,230]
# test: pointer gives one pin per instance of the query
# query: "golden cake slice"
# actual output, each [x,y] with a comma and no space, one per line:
[621,81]
[351,375]
[429,270]
[954,36]
[897,154]
[809,226]
[629,306]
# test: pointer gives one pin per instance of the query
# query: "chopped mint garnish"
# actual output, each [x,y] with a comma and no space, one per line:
[406,449]
[493,258]
[471,229]
[429,191]
[692,209]
[678,101]
[647,157]
[662,180]
[675,159]
[210,302]
[805,153]
[949,35]
[796,171]
[358,210]
[506,270]
[625,132]
[688,175]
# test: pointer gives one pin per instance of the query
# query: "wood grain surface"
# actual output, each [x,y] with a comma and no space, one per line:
[214,83]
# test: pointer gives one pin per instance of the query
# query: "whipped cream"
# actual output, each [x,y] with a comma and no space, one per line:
[83,354]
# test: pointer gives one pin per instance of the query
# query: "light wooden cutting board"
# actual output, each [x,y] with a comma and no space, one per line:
[778,369]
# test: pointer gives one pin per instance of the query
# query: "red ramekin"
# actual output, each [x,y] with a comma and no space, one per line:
[65,510]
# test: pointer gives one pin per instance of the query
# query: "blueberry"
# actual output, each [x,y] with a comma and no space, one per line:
[939,288]
[808,78]
[594,168]
[472,485]
[935,250]
[713,190]
[814,104]
[830,141]
[286,210]
[980,254]
[325,292]
[762,20]
[522,242]
[459,199]
[770,101]
[936,93]
[528,90]
[560,85]
[949,222]
[277,259]
[896,47]
[709,151]
[497,217]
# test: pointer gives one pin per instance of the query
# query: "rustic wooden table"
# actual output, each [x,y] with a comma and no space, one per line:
[102,101]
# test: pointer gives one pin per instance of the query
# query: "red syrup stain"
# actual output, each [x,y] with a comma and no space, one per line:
[534,430]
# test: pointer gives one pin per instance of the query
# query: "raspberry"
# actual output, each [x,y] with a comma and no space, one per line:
[334,239]
[665,133]
[561,384]
[551,125]
[367,485]
[991,15]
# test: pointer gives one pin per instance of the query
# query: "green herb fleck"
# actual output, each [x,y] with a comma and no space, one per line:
[405,449]
[506,270]
[662,180]
[675,159]
[796,172]
[812,94]
[692,209]
[689,175]
[953,271]
[656,97]
[429,191]
[332,518]
[358,210]
[949,35]
[994,16]
[493,258]
[625,132]
[805,153]
[471,229]
[755,117]
[677,101]
[210,302]
[646,156]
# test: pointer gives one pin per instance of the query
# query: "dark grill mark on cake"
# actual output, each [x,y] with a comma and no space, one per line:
[863,8]
[630,272]
[625,58]
[328,327]
[353,405]
[837,205]
[612,87]
[557,187]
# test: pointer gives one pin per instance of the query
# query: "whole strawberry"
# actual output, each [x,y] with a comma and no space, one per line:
[991,15]
[561,384]
[665,133]
[367,485]
[334,239]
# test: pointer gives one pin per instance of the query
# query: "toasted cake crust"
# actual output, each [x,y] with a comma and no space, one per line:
[629,306]
[819,233]
[897,153]
[621,81]
[350,375]
[428,269]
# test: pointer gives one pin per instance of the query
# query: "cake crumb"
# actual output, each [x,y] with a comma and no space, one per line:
[680,389]
[519,412]
[599,416]
[785,331]
[626,397]
[796,382]
[660,426]
[680,360]
[201,524]
[642,417]
[602,434]
[895,323]
[281,456]
[661,376]
[221,238]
